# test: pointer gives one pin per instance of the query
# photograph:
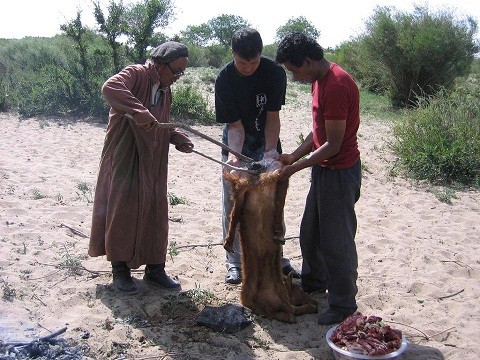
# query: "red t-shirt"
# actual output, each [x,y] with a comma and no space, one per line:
[336,97]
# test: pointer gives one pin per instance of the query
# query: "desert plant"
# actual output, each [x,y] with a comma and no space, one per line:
[201,296]
[190,106]
[422,52]
[440,141]
[37,195]
[176,200]
[9,292]
[85,192]
[173,250]
[73,264]
[444,195]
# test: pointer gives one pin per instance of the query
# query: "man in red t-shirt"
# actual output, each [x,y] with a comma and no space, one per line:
[327,232]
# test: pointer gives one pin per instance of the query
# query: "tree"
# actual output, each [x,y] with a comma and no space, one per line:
[299,24]
[112,27]
[422,52]
[223,26]
[198,35]
[142,20]
[79,34]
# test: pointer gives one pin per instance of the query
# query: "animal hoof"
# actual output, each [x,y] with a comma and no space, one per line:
[229,248]
[279,240]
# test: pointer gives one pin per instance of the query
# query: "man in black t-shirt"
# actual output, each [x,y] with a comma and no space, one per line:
[249,94]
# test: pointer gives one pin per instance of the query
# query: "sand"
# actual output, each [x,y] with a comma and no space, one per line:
[419,257]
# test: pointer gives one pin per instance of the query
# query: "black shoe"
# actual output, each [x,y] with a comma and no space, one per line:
[311,289]
[122,278]
[156,275]
[332,316]
[289,269]
[234,276]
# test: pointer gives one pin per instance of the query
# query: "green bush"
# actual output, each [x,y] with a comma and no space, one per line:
[422,52]
[355,58]
[218,55]
[189,106]
[43,76]
[440,141]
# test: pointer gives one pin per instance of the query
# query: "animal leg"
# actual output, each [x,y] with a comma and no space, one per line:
[278,223]
[305,309]
[287,317]
[235,216]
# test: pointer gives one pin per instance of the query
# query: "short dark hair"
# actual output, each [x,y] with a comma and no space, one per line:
[247,43]
[295,47]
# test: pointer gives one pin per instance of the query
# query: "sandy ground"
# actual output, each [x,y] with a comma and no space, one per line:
[419,258]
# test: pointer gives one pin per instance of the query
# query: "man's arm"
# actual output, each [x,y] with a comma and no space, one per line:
[236,137]
[335,130]
[272,129]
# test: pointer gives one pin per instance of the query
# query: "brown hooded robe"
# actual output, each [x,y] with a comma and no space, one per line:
[130,211]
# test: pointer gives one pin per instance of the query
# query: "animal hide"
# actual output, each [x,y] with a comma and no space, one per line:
[258,202]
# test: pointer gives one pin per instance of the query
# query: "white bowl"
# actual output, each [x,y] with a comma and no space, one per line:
[341,354]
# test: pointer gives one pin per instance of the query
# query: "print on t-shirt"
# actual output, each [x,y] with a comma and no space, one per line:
[261,102]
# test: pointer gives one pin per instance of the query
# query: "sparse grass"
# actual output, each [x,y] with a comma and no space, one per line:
[24,274]
[176,200]
[201,296]
[73,264]
[444,195]
[261,343]
[43,123]
[9,292]
[37,195]
[59,198]
[85,192]
[22,250]
[172,250]
[377,107]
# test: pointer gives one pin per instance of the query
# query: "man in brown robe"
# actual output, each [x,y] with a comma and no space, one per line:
[130,210]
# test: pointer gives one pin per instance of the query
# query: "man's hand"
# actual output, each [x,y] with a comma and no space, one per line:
[234,161]
[287,159]
[271,154]
[185,147]
[149,126]
[286,172]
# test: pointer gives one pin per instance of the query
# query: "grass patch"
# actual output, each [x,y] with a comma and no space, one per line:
[440,141]
[176,200]
[84,192]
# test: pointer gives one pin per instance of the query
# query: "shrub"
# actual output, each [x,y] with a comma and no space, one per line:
[189,105]
[440,141]
[422,52]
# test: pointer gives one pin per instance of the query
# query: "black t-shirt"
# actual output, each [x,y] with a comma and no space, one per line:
[248,98]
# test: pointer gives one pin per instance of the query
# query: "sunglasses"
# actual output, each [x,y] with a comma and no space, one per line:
[176,74]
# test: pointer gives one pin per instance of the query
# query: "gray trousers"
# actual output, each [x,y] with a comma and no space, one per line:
[327,234]
[233,259]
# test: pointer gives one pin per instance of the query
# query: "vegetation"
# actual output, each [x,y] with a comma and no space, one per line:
[190,106]
[418,67]
[411,55]
[440,141]
[300,24]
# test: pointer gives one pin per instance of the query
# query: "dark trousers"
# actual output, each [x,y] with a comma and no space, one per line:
[327,234]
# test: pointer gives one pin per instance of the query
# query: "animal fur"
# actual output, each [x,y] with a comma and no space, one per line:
[258,202]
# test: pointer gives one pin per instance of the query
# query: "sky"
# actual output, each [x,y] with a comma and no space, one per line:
[337,21]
